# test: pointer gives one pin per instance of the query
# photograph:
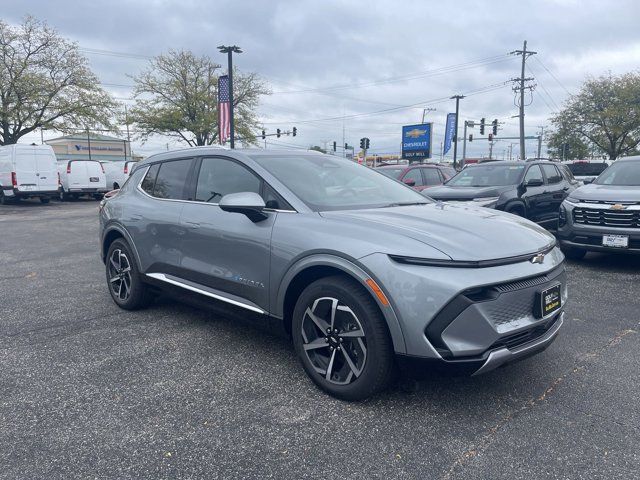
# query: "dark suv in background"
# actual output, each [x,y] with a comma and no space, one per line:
[419,176]
[534,190]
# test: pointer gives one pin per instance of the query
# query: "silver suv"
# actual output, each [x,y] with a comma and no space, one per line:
[363,273]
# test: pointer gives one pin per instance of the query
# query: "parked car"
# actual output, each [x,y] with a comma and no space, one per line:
[82,177]
[533,190]
[360,276]
[586,171]
[604,216]
[419,176]
[27,171]
[117,173]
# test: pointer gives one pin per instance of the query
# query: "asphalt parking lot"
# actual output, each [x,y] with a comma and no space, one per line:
[91,391]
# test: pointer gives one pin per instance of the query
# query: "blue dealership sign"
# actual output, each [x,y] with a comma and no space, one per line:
[416,141]
[449,132]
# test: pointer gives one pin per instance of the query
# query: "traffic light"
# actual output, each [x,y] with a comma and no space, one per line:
[482,126]
[346,146]
[295,131]
[334,146]
[264,134]
[495,126]
[362,143]
[491,137]
[471,137]
[278,133]
[366,143]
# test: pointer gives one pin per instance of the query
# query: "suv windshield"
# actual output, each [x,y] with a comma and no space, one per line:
[623,174]
[488,176]
[326,183]
[586,168]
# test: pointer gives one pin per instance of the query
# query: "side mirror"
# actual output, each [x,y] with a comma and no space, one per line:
[535,182]
[248,203]
[409,181]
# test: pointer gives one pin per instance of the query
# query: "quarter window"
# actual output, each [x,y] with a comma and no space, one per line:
[172,179]
[219,177]
[150,179]
[552,174]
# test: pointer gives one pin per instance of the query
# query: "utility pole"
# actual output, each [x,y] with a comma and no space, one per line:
[424,112]
[541,127]
[230,51]
[490,149]
[455,135]
[464,138]
[525,54]
[89,142]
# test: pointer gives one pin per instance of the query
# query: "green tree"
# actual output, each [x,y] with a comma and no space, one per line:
[177,96]
[566,145]
[45,82]
[317,148]
[605,114]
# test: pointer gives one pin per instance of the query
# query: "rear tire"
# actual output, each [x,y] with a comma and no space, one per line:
[356,360]
[63,196]
[3,199]
[574,253]
[124,280]
[45,200]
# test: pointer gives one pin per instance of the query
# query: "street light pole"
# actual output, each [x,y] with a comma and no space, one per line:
[455,135]
[230,50]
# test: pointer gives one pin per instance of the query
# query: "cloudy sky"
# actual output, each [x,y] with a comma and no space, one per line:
[364,68]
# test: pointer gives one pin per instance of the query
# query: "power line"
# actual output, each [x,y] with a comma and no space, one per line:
[552,75]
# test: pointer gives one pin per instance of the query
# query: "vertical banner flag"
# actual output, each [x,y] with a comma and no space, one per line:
[224,122]
[449,132]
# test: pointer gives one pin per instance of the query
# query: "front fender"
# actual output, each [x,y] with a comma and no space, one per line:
[356,271]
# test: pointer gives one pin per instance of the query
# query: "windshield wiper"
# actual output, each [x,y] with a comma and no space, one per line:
[404,204]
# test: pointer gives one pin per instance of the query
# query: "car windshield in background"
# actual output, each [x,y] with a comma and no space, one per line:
[624,174]
[583,169]
[325,183]
[391,172]
[488,176]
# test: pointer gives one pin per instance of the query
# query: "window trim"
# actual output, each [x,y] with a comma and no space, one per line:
[558,174]
[192,178]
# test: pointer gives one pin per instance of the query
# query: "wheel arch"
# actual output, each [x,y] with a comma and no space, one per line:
[314,267]
[111,234]
[516,205]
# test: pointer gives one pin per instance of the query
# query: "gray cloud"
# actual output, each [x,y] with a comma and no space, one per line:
[302,45]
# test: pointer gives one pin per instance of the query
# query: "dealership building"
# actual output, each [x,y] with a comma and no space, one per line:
[91,147]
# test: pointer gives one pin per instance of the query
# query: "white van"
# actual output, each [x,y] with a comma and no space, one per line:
[27,171]
[82,177]
[117,173]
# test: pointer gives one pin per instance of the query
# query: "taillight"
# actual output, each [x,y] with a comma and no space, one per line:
[68,167]
[59,181]
[14,180]
[126,167]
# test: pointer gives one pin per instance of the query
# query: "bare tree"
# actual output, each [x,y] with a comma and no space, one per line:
[177,96]
[45,82]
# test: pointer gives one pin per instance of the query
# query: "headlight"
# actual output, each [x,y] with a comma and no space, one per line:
[572,200]
[486,201]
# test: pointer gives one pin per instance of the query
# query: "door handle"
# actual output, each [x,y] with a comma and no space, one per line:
[192,224]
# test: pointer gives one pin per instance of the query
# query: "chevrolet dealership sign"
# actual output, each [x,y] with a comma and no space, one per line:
[416,141]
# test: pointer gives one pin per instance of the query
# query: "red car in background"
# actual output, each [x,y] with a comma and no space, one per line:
[419,176]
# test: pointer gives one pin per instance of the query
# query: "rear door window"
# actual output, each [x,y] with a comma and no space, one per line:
[552,174]
[415,175]
[534,173]
[171,180]
[432,176]
[219,177]
[150,179]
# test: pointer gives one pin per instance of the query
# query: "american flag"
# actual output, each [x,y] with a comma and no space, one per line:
[224,123]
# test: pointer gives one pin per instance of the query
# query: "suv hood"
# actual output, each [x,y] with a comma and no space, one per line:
[450,192]
[607,193]
[462,232]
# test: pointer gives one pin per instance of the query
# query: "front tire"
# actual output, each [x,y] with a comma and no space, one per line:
[574,253]
[124,279]
[342,340]
[44,200]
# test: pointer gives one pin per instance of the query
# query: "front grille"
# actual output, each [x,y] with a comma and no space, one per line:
[519,285]
[608,218]
[520,338]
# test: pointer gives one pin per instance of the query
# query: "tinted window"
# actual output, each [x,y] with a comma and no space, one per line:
[150,179]
[552,173]
[391,172]
[414,174]
[534,173]
[219,177]
[171,179]
[273,200]
[448,172]
[566,172]
[432,176]
[587,168]
[489,175]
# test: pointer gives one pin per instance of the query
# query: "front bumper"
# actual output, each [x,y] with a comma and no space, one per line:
[589,237]
[460,317]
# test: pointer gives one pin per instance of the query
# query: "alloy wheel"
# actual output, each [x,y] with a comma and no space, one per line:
[334,341]
[120,275]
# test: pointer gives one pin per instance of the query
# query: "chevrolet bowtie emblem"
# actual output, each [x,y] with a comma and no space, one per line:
[415,133]
[617,206]
[539,258]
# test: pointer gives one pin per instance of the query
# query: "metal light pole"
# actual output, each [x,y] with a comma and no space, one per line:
[230,50]
[455,135]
